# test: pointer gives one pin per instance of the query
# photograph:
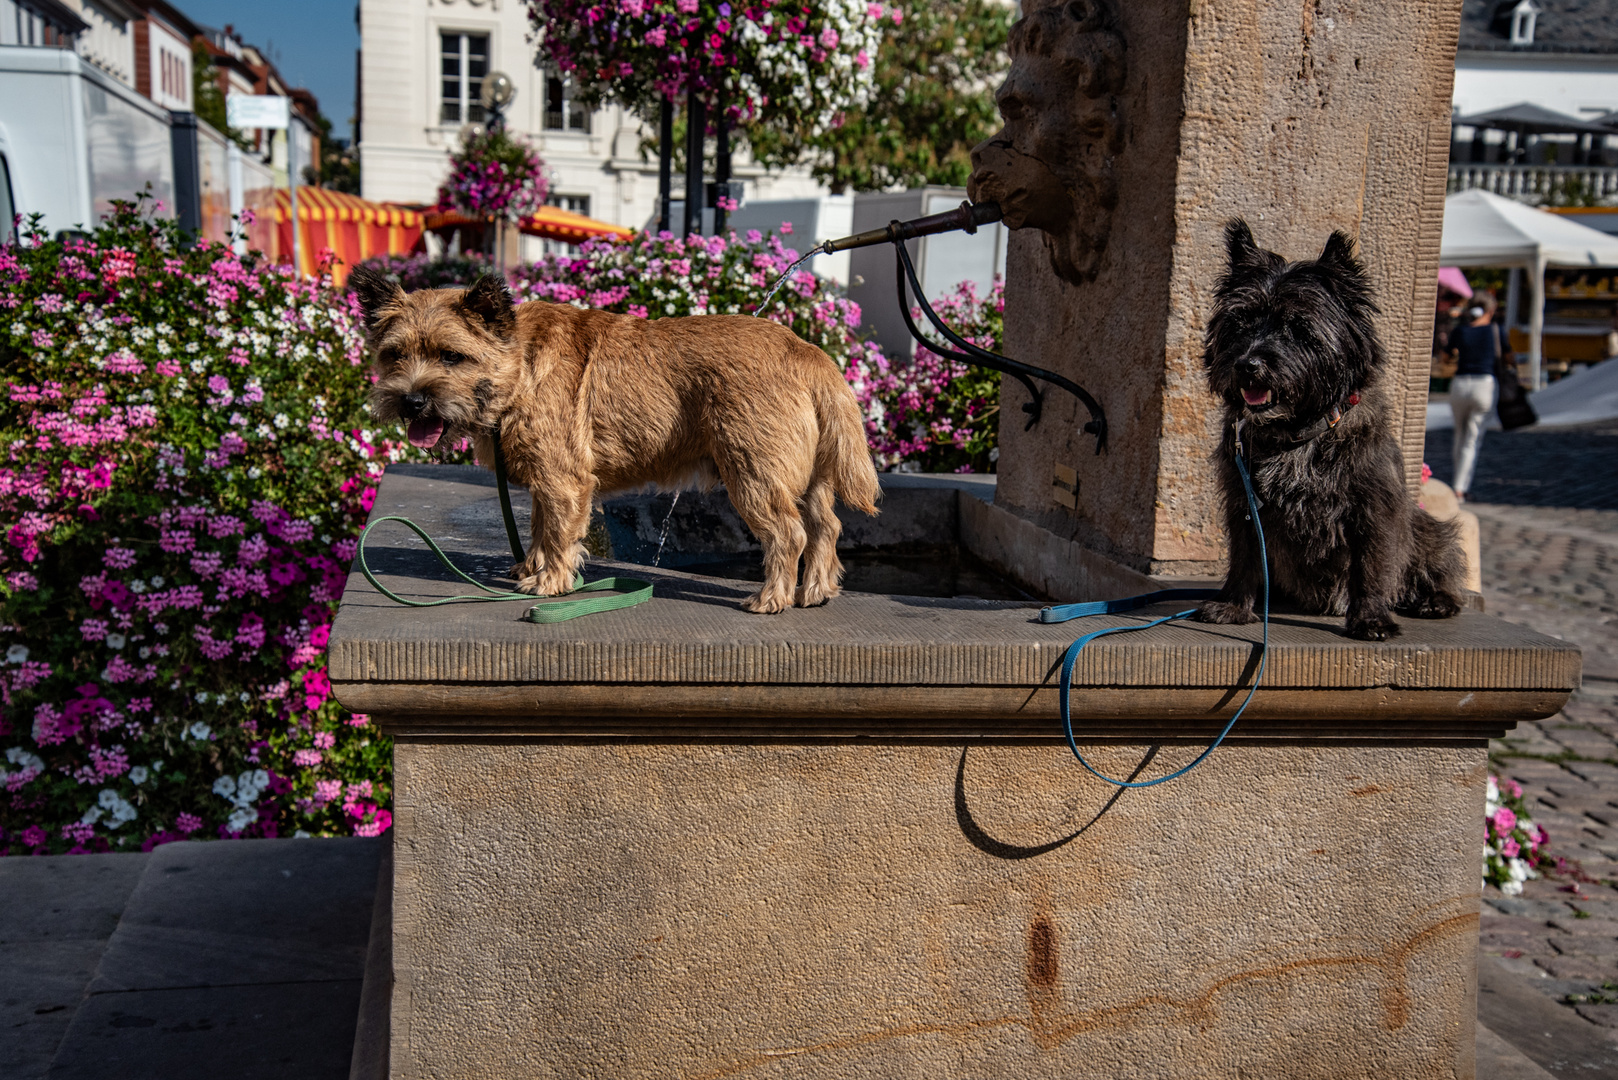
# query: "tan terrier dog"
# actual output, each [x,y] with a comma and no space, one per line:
[586,403]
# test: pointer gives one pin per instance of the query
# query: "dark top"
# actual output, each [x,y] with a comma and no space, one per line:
[1474,351]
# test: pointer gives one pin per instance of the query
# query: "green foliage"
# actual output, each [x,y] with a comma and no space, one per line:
[339,165]
[936,74]
[207,100]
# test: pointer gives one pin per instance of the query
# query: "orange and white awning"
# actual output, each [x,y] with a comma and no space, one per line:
[551,223]
[352,227]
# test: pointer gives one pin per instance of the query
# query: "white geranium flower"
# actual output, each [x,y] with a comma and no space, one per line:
[16,654]
[157,766]
[115,641]
[200,731]
[18,756]
[225,786]
[91,816]
[241,818]
[138,775]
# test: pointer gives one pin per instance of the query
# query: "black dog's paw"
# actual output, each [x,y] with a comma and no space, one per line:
[1436,605]
[1219,611]
[1372,626]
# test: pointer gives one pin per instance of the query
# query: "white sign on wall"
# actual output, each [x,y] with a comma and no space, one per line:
[258,111]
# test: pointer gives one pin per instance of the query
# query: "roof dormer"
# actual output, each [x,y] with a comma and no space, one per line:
[1524,15]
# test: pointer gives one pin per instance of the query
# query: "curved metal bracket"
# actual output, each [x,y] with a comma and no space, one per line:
[968,353]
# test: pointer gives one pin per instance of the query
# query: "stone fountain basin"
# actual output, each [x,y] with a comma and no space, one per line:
[913,547]
[870,662]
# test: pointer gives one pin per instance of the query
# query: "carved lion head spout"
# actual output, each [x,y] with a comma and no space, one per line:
[1050,167]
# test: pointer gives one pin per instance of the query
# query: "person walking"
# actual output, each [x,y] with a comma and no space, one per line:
[1477,348]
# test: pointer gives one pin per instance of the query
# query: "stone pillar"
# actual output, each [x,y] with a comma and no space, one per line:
[1137,130]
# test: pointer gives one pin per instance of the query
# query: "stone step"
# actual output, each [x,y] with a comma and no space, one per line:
[56,918]
[246,956]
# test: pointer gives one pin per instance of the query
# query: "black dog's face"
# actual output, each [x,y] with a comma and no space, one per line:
[1288,341]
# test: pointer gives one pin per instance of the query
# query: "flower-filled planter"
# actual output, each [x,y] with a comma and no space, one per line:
[494,176]
[187,466]
[1511,842]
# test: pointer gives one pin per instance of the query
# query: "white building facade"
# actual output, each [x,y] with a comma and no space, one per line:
[421,69]
[1559,54]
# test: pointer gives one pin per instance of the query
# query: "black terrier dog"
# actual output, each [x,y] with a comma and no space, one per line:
[1292,350]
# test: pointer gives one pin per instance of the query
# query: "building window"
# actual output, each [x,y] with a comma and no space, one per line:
[463,61]
[562,113]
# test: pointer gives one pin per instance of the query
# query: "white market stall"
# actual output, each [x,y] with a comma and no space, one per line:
[1484,229]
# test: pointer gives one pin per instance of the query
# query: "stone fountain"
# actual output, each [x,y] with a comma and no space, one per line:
[685,841]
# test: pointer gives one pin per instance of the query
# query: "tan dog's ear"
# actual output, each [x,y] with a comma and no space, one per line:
[378,293]
[489,301]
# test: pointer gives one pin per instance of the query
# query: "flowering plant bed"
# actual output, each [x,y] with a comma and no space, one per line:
[185,473]
[931,413]
[1511,842]
[798,65]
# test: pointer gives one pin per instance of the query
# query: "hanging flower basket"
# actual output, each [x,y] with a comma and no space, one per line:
[494,177]
[799,65]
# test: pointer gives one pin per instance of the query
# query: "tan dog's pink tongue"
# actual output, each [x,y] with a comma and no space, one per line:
[424,432]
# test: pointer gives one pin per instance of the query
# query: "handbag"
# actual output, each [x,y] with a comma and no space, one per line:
[1511,402]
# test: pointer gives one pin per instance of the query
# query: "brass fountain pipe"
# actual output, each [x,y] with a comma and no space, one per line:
[964,218]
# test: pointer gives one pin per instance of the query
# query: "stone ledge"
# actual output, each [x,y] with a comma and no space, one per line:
[693,655]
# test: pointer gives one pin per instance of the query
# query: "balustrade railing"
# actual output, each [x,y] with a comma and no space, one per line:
[1538,183]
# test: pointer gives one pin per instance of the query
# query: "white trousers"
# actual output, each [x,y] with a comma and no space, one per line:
[1471,399]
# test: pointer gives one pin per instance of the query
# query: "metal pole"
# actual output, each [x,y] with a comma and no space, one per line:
[696,123]
[665,163]
[233,170]
[292,183]
[722,164]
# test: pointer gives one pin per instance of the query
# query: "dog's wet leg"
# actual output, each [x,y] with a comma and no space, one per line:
[772,513]
[822,570]
[530,567]
[563,512]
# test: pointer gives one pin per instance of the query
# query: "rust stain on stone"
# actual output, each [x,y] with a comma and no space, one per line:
[1043,965]
[1051,1028]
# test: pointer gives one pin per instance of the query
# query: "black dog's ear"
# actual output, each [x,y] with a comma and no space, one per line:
[1239,243]
[1339,252]
[378,293]
[489,300]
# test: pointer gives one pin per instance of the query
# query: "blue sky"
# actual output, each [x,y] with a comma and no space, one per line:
[311,41]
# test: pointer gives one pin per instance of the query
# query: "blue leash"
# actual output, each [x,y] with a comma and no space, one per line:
[1064,612]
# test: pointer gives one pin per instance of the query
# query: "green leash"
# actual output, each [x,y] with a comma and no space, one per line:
[625,592]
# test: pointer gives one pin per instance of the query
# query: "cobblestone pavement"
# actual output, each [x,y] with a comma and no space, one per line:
[1547,507]
[1569,467]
